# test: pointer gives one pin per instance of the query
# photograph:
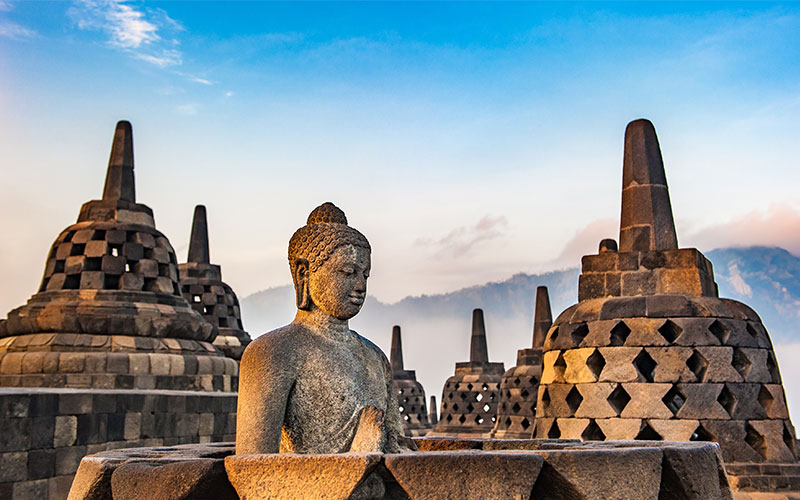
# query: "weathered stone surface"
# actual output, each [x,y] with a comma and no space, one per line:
[290,476]
[198,479]
[630,474]
[410,393]
[465,475]
[93,480]
[693,475]
[309,386]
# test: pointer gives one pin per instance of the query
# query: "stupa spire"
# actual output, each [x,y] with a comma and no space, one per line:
[646,222]
[396,355]
[477,349]
[433,417]
[542,317]
[119,177]
[198,244]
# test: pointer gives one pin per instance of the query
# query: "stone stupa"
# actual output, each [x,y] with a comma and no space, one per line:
[470,397]
[202,286]
[410,393]
[650,352]
[109,312]
[520,385]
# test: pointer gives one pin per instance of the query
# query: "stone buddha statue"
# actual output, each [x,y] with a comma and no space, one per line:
[314,385]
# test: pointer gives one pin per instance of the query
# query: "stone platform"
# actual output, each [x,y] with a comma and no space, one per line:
[47,431]
[540,469]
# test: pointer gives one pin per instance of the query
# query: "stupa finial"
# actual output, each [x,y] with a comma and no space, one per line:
[542,317]
[119,177]
[198,244]
[396,355]
[646,222]
[477,349]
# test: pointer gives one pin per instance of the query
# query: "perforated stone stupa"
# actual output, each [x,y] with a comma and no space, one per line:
[410,393]
[470,397]
[520,385]
[109,312]
[650,352]
[202,286]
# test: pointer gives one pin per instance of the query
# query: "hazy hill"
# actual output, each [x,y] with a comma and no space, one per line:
[436,327]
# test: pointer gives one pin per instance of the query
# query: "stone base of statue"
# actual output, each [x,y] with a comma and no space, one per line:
[541,469]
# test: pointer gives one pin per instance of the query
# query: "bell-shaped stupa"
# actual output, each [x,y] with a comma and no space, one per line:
[202,286]
[651,352]
[109,312]
[470,397]
[520,385]
[410,393]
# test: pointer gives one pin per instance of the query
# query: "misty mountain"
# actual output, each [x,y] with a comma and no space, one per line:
[436,328]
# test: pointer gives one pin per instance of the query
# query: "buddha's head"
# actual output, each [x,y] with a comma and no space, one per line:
[330,264]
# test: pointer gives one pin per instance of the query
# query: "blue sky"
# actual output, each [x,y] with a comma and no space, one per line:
[467,141]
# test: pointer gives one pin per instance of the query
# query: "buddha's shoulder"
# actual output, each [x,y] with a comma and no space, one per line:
[371,346]
[282,343]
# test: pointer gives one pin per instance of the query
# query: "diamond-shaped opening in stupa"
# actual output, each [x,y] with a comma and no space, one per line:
[741,363]
[727,400]
[647,433]
[674,399]
[645,365]
[670,331]
[579,333]
[720,331]
[618,399]
[698,364]
[593,432]
[574,399]
[619,334]
[595,363]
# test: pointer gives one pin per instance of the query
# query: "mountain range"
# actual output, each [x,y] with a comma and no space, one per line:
[436,328]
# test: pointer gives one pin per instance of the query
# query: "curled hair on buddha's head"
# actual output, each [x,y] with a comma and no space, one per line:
[326,230]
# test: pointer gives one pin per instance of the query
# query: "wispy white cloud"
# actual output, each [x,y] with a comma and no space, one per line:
[12,30]
[145,34]
[229,93]
[462,240]
[15,31]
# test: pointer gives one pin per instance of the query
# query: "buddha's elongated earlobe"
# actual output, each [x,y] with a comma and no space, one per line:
[302,294]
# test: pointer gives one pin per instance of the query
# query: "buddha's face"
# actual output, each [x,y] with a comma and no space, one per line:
[339,286]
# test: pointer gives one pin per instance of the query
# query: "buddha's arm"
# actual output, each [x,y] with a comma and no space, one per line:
[265,380]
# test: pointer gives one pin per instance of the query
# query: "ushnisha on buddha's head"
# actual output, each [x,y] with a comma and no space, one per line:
[330,264]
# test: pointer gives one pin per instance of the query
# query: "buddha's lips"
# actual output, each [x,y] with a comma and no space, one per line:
[357,300]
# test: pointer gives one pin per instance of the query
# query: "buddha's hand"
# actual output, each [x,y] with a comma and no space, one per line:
[370,435]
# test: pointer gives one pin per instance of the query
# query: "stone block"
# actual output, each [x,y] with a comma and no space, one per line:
[619,364]
[638,283]
[159,364]
[623,307]
[464,474]
[147,268]
[68,459]
[753,362]
[73,404]
[595,400]
[113,265]
[591,286]
[701,401]
[577,370]
[720,368]
[774,448]
[131,281]
[41,463]
[199,478]
[627,474]
[117,362]
[730,434]
[289,476]
[74,264]
[646,401]
[161,285]
[551,372]
[11,364]
[95,248]
[30,490]
[43,429]
[695,474]
[674,430]
[13,466]
[58,487]
[671,364]
[93,479]
[572,428]
[620,428]
[92,280]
